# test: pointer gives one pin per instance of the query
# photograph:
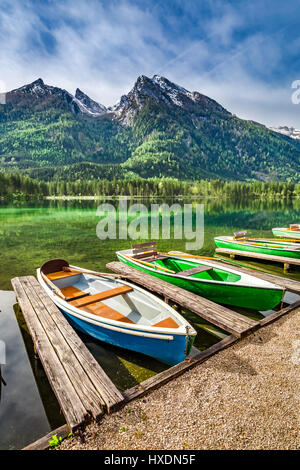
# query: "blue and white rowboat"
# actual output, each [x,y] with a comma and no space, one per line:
[117,312]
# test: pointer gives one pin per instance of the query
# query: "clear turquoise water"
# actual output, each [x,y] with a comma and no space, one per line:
[33,233]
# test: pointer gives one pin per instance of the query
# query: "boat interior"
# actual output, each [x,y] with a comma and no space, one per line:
[242,238]
[280,244]
[147,252]
[104,297]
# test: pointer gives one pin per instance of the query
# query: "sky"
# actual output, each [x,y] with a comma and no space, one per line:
[244,54]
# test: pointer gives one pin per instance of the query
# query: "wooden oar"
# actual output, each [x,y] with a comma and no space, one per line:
[56,290]
[155,266]
[86,271]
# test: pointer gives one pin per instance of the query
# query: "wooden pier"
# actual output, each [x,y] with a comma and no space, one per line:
[198,305]
[223,317]
[82,388]
[287,262]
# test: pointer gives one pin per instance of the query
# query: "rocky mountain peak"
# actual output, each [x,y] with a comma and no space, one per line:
[160,90]
[37,88]
[87,105]
[39,92]
[38,82]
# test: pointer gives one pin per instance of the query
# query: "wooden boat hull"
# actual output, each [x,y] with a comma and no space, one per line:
[168,349]
[264,297]
[166,345]
[286,233]
[275,248]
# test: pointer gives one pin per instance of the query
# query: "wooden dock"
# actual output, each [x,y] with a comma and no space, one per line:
[82,388]
[200,306]
[230,321]
[287,262]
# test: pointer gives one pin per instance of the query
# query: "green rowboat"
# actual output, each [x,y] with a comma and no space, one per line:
[293,231]
[257,245]
[207,279]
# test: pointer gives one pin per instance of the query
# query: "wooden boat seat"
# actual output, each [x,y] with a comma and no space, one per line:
[79,303]
[196,270]
[167,323]
[72,293]
[240,235]
[60,275]
[102,310]
[146,252]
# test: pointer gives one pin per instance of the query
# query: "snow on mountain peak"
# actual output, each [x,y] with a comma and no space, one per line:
[79,104]
[37,88]
[157,89]
[288,131]
[87,105]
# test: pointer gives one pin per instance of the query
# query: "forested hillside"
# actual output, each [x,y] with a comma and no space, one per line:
[158,130]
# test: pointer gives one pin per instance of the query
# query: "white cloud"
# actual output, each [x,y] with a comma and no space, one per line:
[103,56]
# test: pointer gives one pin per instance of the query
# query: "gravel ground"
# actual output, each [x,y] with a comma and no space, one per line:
[245,397]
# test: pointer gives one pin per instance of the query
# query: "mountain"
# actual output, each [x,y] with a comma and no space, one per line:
[157,129]
[37,92]
[89,106]
[288,131]
[160,90]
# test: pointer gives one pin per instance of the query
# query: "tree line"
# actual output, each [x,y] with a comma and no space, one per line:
[17,185]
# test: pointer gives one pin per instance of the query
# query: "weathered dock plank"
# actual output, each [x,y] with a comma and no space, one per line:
[77,379]
[276,315]
[66,395]
[224,318]
[44,442]
[110,396]
[86,391]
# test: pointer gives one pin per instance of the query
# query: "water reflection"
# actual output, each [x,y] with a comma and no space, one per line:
[22,415]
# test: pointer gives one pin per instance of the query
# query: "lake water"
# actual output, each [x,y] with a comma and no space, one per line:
[32,233]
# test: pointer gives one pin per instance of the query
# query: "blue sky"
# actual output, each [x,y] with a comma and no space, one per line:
[244,54]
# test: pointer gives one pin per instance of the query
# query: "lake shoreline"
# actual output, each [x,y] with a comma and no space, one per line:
[24,198]
[245,397]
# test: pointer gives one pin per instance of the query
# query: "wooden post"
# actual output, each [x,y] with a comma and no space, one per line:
[286,267]
[36,354]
